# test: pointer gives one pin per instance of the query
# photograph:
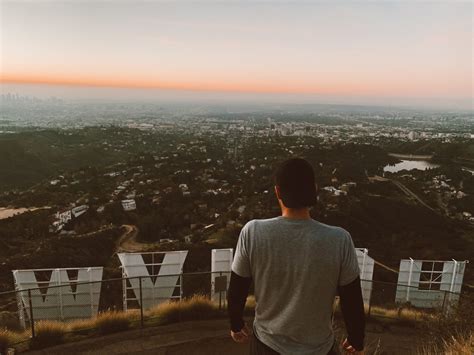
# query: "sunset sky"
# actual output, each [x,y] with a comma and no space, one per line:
[385,51]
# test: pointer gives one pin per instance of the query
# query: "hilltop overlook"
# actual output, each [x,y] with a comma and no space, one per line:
[75,197]
[194,183]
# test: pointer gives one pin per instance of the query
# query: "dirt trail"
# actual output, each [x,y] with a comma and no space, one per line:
[212,337]
[128,241]
[6,212]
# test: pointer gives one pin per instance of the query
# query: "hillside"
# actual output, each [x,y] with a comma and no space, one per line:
[27,158]
[37,248]
[394,227]
[18,167]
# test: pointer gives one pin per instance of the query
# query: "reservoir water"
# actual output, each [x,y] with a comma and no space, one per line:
[410,165]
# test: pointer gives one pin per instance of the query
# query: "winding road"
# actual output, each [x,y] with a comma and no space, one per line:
[128,241]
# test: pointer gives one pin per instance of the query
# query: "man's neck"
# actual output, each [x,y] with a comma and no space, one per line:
[293,213]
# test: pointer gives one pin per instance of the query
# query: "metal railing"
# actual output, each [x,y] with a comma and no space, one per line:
[66,304]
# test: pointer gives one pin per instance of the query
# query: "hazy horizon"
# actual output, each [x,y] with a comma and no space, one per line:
[92,94]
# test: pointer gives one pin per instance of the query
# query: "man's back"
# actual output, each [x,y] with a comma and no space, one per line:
[296,265]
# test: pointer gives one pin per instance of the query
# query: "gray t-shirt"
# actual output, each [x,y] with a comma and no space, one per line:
[296,266]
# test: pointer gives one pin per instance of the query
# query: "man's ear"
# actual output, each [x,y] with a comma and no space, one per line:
[277,192]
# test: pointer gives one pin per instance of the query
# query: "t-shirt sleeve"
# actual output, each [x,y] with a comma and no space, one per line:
[349,266]
[241,263]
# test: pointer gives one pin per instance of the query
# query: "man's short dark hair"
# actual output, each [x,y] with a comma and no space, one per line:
[296,182]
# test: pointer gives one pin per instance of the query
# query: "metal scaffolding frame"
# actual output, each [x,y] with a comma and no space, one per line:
[58,301]
[151,288]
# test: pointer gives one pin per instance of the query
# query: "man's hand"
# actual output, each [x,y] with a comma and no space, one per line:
[242,336]
[349,349]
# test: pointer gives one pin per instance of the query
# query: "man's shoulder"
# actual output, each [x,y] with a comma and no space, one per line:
[261,225]
[277,220]
[333,230]
[260,222]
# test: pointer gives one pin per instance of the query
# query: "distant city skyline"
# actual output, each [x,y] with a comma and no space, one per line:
[384,53]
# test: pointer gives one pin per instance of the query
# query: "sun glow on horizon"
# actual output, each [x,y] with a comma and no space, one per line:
[332,86]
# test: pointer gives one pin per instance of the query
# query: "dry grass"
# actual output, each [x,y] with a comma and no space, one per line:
[7,339]
[200,307]
[401,314]
[464,346]
[453,333]
[193,308]
[460,345]
[112,322]
[81,325]
[48,333]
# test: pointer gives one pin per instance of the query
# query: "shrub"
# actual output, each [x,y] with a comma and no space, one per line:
[456,345]
[7,338]
[403,315]
[79,325]
[168,312]
[457,324]
[48,333]
[195,308]
[453,332]
[112,322]
[460,346]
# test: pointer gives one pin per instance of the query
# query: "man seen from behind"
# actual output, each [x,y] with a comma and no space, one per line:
[298,266]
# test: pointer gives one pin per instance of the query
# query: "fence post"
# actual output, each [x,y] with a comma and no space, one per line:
[124,291]
[141,301]
[32,320]
[446,303]
[220,296]
[372,285]
[409,280]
